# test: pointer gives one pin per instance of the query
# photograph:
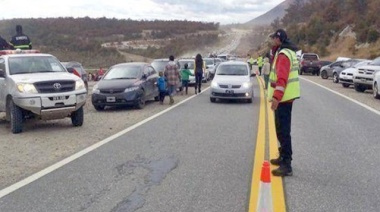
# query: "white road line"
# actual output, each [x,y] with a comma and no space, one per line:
[346,97]
[91,148]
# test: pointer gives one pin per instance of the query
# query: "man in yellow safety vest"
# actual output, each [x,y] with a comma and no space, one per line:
[283,89]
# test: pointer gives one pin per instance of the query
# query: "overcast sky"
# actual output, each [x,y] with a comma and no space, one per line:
[222,11]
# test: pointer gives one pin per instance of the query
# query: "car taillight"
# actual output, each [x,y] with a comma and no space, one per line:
[76,72]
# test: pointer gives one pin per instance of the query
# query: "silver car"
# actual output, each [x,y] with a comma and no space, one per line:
[232,80]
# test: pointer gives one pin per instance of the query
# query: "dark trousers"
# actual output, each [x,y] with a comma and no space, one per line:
[185,85]
[162,95]
[198,81]
[283,119]
[260,67]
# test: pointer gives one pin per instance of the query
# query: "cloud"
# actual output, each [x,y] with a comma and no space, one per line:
[222,11]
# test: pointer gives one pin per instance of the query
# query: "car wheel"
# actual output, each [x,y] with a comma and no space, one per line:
[99,107]
[318,73]
[212,99]
[16,117]
[157,98]
[324,75]
[359,88]
[376,91]
[345,85]
[77,117]
[140,104]
[335,78]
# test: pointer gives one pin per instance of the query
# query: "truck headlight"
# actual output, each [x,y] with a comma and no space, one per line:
[26,88]
[79,84]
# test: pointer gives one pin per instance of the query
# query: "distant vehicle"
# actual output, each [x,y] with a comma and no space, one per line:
[77,69]
[34,85]
[224,57]
[126,84]
[363,78]
[333,70]
[309,63]
[324,63]
[346,76]
[210,66]
[232,80]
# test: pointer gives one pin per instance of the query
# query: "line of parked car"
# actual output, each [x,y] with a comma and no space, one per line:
[362,74]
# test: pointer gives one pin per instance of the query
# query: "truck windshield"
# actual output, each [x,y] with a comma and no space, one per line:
[34,64]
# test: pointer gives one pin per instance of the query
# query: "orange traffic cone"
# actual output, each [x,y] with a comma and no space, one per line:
[265,195]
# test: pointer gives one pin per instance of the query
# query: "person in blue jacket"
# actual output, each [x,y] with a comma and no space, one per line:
[162,88]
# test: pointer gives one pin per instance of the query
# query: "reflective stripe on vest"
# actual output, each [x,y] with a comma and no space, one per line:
[21,47]
[292,90]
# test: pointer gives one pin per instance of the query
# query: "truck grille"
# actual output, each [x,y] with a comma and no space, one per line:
[57,86]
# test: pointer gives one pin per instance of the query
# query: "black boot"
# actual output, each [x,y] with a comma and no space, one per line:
[278,160]
[285,169]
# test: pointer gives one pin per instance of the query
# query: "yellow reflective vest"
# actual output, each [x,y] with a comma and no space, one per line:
[292,89]
[260,61]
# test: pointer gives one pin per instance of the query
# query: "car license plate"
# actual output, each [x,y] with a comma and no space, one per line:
[57,98]
[111,99]
[230,91]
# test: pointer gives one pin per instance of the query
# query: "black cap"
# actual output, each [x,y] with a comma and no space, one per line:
[281,34]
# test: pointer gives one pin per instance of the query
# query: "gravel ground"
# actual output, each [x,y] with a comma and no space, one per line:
[43,143]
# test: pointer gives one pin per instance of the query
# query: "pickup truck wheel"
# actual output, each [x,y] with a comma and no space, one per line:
[77,117]
[16,118]
[345,85]
[359,88]
[324,75]
[376,91]
[335,78]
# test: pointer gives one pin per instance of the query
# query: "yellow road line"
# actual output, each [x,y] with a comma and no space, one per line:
[276,182]
[259,155]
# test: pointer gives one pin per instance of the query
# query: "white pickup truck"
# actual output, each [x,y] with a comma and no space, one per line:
[363,77]
[35,85]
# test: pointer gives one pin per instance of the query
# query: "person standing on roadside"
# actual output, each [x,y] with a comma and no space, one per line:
[283,89]
[20,40]
[185,73]
[260,63]
[161,84]
[199,70]
[266,71]
[250,61]
[172,76]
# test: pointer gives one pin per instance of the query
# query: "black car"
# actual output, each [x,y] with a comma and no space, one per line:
[126,84]
[77,69]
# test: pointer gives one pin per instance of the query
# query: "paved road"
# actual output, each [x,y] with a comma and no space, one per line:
[336,148]
[198,157]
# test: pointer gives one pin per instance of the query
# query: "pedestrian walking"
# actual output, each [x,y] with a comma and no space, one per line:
[283,90]
[162,88]
[172,76]
[185,73]
[199,70]
[266,71]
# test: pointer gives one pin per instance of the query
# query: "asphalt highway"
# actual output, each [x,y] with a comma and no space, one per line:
[199,156]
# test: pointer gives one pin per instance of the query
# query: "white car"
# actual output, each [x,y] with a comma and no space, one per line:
[232,80]
[363,78]
[376,85]
[346,76]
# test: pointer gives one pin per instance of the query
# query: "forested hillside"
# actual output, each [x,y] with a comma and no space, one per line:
[316,24]
[81,38]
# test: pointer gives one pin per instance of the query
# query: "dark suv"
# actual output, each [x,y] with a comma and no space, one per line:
[309,63]
[77,69]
